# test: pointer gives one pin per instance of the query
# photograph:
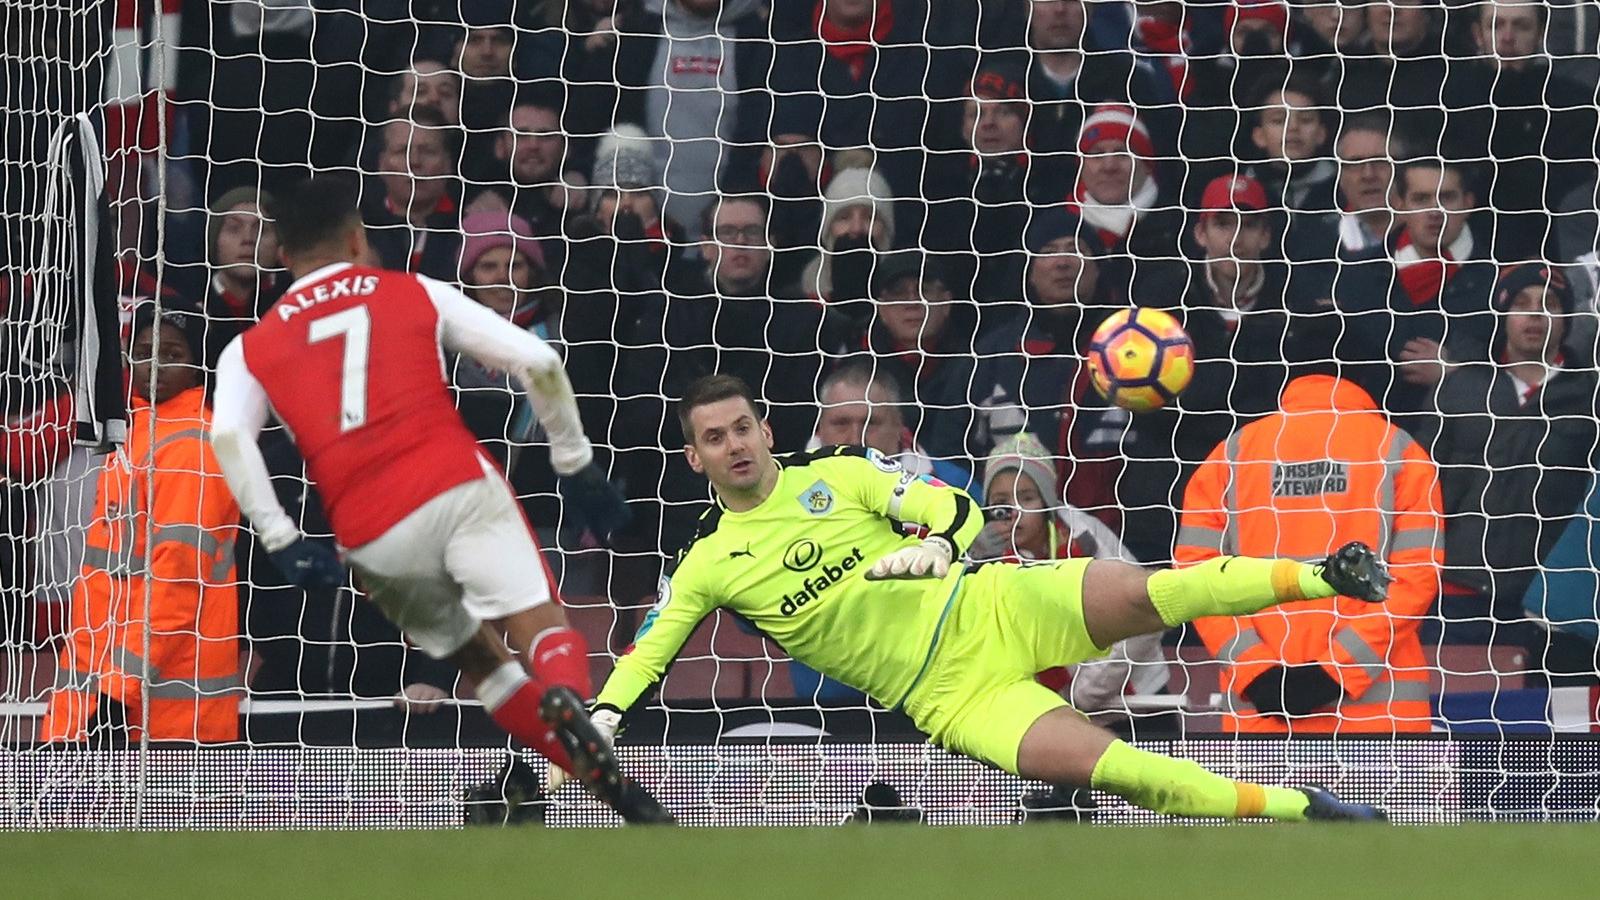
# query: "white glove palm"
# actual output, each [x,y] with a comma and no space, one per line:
[606,721]
[929,559]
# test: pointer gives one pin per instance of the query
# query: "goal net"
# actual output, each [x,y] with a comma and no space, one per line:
[903,223]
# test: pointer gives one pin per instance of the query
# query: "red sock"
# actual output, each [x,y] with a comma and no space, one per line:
[561,656]
[518,714]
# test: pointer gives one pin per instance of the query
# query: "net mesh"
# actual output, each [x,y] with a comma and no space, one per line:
[901,225]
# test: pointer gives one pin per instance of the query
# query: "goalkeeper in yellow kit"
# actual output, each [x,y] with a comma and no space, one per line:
[809,548]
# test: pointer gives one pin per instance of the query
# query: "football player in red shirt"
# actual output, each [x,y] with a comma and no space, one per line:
[351,360]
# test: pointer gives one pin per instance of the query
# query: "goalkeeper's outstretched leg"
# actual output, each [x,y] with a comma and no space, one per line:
[1064,748]
[1121,600]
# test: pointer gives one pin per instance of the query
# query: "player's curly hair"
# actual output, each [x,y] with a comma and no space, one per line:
[708,389]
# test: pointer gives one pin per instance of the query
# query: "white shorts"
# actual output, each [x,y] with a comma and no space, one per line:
[461,558]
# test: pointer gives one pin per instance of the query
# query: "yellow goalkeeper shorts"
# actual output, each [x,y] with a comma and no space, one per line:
[1006,624]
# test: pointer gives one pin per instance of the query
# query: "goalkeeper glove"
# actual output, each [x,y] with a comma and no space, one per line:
[596,501]
[606,719]
[1292,690]
[929,559]
[310,564]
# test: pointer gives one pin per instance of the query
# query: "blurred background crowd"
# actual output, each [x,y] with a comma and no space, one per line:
[899,221]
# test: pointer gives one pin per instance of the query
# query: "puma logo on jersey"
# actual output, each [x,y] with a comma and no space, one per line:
[349,286]
[735,554]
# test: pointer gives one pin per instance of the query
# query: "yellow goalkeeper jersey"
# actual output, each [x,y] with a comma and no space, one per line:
[795,566]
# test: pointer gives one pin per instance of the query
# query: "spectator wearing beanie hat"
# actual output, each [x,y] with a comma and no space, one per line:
[1118,181]
[923,334]
[1255,27]
[1029,522]
[1027,519]
[502,266]
[179,368]
[625,160]
[242,251]
[625,206]
[1515,444]
[995,129]
[858,222]
[1117,194]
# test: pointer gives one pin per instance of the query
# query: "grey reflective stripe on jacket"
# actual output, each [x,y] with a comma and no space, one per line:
[199,434]
[1230,496]
[1360,652]
[1238,645]
[1424,537]
[1200,536]
[1393,459]
[126,563]
[197,689]
[115,563]
[75,680]
[165,687]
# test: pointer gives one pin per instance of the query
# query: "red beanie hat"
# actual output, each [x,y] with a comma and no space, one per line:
[1115,122]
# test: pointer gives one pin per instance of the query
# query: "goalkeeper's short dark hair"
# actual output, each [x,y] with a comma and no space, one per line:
[709,389]
[315,212]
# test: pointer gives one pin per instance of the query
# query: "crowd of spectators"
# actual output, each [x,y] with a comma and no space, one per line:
[900,221]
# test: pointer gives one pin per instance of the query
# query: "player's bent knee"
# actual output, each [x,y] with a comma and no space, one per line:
[1116,602]
[1115,579]
[1062,747]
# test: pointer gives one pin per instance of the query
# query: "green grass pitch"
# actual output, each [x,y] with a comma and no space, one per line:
[883,862]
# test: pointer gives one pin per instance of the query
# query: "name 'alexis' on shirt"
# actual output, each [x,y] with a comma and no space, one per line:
[333,289]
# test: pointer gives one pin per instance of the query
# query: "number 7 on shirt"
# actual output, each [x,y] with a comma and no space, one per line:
[355,326]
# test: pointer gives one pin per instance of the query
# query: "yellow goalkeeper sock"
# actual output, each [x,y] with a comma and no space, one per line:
[1232,586]
[1180,787]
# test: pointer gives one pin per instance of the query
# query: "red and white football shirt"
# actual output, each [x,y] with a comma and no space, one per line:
[352,365]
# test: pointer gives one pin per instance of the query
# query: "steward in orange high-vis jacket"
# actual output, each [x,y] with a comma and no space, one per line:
[1325,469]
[164,486]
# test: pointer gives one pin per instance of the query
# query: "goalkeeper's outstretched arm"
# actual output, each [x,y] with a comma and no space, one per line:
[680,606]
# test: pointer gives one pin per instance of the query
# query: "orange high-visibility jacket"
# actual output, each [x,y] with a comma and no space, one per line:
[1326,469]
[170,482]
